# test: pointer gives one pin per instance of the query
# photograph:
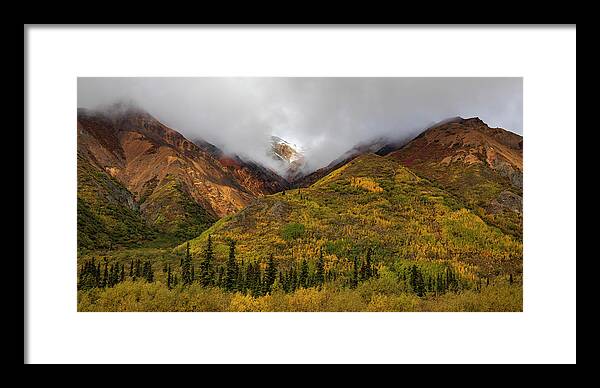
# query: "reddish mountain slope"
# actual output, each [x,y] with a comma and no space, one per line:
[257,179]
[482,165]
[175,182]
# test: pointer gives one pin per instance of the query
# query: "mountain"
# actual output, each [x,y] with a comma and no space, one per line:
[285,151]
[289,155]
[176,186]
[360,149]
[257,179]
[481,165]
[370,202]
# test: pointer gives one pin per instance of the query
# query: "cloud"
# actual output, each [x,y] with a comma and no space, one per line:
[326,116]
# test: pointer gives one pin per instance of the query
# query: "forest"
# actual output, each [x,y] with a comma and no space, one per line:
[235,285]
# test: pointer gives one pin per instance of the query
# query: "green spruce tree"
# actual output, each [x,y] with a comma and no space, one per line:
[104,282]
[303,278]
[206,269]
[355,273]
[231,273]
[270,275]
[368,265]
[169,276]
[320,270]
[186,266]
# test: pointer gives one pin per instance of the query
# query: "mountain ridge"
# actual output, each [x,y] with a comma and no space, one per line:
[155,163]
[482,165]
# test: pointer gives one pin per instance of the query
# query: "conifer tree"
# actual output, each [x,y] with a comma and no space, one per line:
[220,280]
[293,279]
[303,278]
[439,284]
[169,280]
[368,267]
[111,276]
[282,281]
[451,281]
[355,274]
[416,281]
[186,266]
[258,288]
[108,277]
[420,283]
[413,278]
[104,280]
[320,270]
[270,275]
[206,275]
[249,281]
[149,272]
[363,271]
[241,283]
[116,273]
[231,273]
[254,279]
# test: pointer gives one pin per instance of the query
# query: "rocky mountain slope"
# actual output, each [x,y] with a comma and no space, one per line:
[176,186]
[481,165]
[290,157]
[257,179]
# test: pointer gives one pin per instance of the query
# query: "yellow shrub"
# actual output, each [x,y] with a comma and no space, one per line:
[367,184]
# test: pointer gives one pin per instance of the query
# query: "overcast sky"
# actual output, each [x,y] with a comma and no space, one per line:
[325,116]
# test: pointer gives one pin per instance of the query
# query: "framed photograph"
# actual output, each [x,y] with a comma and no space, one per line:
[306,182]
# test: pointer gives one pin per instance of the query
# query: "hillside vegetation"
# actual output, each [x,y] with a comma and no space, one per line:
[376,295]
[481,165]
[397,214]
[106,212]
[171,209]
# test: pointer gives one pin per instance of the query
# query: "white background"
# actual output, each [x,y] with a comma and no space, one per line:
[544,332]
